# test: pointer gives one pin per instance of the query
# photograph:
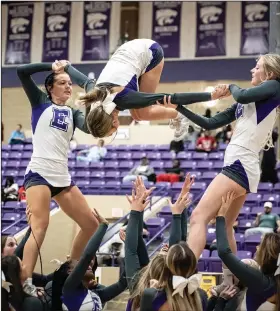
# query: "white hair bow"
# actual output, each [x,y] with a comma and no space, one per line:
[107,104]
[6,285]
[179,283]
[277,272]
[57,262]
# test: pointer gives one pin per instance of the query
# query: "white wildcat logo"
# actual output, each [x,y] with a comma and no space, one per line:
[210,14]
[19,24]
[255,11]
[96,20]
[56,22]
[165,16]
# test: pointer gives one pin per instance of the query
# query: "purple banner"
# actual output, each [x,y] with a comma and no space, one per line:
[255,28]
[211,29]
[19,31]
[56,31]
[167,26]
[96,33]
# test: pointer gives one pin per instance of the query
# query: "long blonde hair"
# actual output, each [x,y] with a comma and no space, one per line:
[152,271]
[267,256]
[180,261]
[271,64]
[99,123]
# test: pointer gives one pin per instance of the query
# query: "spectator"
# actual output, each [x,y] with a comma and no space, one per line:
[176,146]
[224,136]
[10,190]
[192,134]
[268,164]
[116,247]
[173,174]
[94,154]
[17,136]
[144,170]
[265,222]
[206,142]
[22,194]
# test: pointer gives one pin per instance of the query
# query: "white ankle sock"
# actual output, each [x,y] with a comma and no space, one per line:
[29,281]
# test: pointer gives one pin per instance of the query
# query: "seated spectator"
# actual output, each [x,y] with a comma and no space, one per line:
[10,190]
[192,134]
[22,194]
[265,222]
[224,136]
[173,174]
[176,146]
[143,169]
[94,154]
[206,142]
[116,246]
[17,136]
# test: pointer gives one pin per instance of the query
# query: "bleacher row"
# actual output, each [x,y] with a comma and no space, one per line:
[106,176]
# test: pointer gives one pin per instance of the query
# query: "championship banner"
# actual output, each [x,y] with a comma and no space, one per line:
[210,29]
[167,27]
[56,31]
[19,31]
[96,32]
[255,28]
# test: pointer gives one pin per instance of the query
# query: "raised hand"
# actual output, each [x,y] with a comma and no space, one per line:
[183,200]
[226,202]
[99,217]
[59,65]
[141,188]
[140,196]
[122,234]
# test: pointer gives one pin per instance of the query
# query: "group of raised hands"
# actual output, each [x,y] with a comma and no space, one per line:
[140,197]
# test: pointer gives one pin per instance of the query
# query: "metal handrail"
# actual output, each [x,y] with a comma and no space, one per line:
[158,247]
[158,233]
[126,215]
[13,224]
[166,239]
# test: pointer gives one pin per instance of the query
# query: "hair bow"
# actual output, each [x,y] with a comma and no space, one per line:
[57,262]
[6,285]
[277,272]
[179,283]
[107,104]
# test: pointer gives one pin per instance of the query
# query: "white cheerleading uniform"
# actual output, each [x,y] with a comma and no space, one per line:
[256,113]
[52,129]
[131,60]
[254,124]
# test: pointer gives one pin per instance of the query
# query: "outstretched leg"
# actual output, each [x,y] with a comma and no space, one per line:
[207,208]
